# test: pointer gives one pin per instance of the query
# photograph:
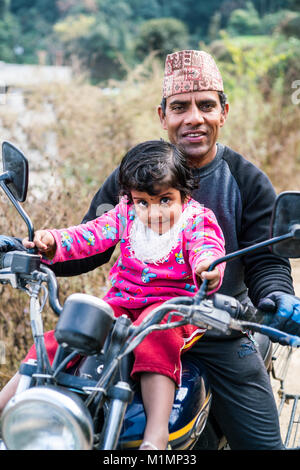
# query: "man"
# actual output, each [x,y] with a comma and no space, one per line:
[192,112]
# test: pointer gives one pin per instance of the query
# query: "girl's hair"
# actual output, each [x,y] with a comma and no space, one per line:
[150,165]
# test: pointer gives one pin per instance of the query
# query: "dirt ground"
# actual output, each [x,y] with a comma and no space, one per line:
[290,383]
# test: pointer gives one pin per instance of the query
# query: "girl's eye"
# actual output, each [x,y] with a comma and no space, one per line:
[165,200]
[143,203]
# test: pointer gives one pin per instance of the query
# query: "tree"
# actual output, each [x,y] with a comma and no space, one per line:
[291,26]
[294,4]
[197,15]
[97,40]
[3,8]
[164,35]
[46,9]
[9,31]
[244,21]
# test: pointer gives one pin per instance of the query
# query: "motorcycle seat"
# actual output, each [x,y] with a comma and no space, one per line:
[265,347]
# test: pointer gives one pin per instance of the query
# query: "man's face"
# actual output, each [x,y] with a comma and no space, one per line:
[192,121]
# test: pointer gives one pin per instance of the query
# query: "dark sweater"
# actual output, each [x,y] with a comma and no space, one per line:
[242,198]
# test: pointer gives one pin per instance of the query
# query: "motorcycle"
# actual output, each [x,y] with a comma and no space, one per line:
[85,399]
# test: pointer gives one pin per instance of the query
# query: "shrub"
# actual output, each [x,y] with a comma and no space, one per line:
[163,35]
[244,21]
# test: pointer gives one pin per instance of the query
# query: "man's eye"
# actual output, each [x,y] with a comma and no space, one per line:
[207,107]
[143,203]
[177,107]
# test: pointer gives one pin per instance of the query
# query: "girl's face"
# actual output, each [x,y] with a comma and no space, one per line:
[159,212]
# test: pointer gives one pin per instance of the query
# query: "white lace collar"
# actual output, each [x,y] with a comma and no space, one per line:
[150,247]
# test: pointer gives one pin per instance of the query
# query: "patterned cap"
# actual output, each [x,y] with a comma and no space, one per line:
[187,71]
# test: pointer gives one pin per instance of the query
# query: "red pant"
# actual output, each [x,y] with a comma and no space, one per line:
[159,352]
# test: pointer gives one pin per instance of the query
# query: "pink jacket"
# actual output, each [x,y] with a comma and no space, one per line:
[148,270]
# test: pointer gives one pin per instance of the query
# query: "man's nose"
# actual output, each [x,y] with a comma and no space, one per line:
[194,115]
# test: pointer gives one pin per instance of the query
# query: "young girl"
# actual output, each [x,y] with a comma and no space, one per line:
[167,241]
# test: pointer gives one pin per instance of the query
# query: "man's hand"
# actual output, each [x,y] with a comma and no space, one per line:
[43,241]
[213,277]
[282,312]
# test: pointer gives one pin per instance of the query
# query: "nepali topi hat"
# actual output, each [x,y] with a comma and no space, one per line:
[189,70]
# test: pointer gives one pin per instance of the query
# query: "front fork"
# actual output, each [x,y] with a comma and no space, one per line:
[120,395]
[25,381]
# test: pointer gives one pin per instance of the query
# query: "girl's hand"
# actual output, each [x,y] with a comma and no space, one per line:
[213,277]
[43,241]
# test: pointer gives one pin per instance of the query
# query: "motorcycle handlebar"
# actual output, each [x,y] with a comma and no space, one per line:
[248,316]
[275,335]
[53,289]
[243,316]
[2,255]
[26,264]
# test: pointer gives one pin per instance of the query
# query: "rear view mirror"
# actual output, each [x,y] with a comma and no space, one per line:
[286,219]
[14,180]
[15,166]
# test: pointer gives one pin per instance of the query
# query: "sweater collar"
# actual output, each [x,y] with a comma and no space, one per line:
[211,166]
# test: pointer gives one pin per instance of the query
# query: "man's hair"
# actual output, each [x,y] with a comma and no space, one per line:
[149,166]
[222,97]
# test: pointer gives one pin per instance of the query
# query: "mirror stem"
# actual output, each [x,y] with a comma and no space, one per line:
[236,254]
[19,209]
[296,231]
[6,177]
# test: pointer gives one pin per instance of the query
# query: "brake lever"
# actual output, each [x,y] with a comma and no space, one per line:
[275,335]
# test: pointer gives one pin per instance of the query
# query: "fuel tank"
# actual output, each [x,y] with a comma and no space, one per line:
[188,416]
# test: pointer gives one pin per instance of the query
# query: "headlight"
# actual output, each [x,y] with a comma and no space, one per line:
[43,418]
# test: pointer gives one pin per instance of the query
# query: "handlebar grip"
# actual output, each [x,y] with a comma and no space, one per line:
[238,310]
[2,260]
[6,259]
[251,313]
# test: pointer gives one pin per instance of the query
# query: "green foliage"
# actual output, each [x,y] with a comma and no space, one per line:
[272,22]
[198,15]
[106,38]
[74,27]
[270,6]
[148,9]
[163,35]
[244,21]
[264,62]
[25,27]
[291,27]
[8,37]
[3,8]
[29,10]
[287,70]
[294,4]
